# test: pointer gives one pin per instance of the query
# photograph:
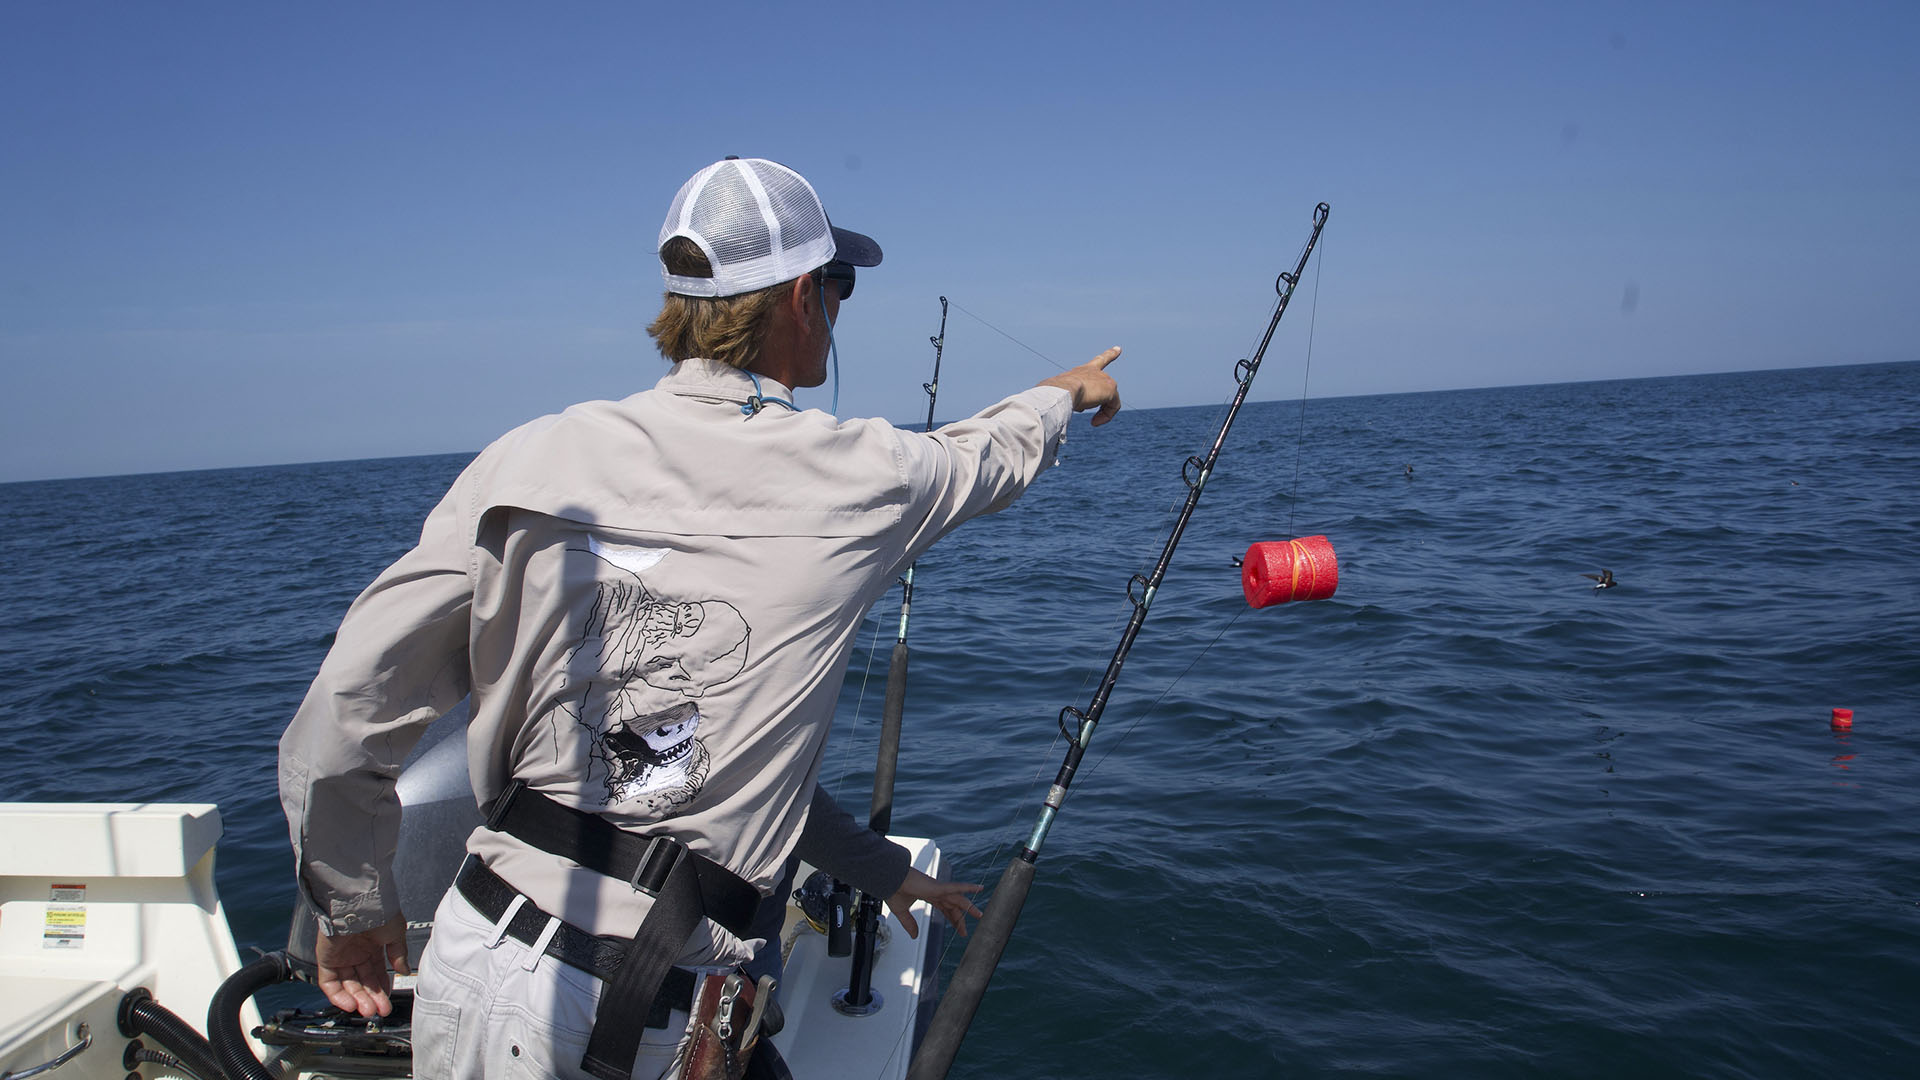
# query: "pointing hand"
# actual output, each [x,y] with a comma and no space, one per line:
[1091,386]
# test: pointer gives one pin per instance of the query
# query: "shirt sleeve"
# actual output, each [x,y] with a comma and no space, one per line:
[398,661]
[981,464]
[833,841]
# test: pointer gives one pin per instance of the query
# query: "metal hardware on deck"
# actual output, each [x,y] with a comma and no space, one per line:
[71,1052]
[858,998]
[844,1004]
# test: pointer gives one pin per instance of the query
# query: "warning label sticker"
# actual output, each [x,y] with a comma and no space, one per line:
[66,925]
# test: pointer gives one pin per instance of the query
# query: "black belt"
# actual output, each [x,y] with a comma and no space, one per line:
[685,887]
[490,895]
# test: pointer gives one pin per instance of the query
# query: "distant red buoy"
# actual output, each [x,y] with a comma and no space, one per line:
[1842,720]
[1276,571]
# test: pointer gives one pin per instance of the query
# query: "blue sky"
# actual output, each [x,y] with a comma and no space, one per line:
[236,234]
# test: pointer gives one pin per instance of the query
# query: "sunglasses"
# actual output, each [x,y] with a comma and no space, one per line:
[841,273]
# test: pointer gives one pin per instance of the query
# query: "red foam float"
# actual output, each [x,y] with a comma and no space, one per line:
[1276,571]
[1842,720]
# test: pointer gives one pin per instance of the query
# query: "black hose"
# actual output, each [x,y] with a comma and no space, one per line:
[156,1057]
[223,1015]
[141,1015]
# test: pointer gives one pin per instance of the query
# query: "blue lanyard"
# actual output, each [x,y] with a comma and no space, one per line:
[757,401]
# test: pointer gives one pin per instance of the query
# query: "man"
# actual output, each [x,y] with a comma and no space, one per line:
[651,603]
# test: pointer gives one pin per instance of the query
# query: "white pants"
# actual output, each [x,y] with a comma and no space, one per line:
[489,1006]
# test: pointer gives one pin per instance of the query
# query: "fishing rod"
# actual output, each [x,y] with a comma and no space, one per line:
[858,999]
[882,818]
[989,941]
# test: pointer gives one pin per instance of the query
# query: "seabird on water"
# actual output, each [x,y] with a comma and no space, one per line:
[1605,579]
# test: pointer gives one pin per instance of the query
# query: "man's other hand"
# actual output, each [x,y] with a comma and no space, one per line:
[353,967]
[948,897]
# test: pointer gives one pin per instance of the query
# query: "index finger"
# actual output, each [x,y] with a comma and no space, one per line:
[1104,358]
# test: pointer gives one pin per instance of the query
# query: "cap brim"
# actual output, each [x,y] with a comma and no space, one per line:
[856,248]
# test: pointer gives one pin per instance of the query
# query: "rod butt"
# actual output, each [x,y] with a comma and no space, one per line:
[969,984]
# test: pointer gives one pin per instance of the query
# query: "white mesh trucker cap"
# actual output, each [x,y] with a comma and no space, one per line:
[759,223]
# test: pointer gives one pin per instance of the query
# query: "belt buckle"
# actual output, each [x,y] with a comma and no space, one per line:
[662,855]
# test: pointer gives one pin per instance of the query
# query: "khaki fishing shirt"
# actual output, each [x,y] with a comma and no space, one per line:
[652,603]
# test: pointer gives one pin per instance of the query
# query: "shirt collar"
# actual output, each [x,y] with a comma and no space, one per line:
[700,377]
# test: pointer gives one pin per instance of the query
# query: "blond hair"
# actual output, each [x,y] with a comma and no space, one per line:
[729,329]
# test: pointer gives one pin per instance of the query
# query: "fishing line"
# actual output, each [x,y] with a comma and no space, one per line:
[859,705]
[1174,507]
[1006,833]
[1010,337]
[1009,833]
[1151,709]
[1300,436]
[1293,502]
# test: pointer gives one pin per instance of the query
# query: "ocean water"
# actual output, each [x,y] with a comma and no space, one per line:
[1467,818]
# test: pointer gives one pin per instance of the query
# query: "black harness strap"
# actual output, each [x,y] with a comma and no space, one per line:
[629,995]
[642,861]
[685,887]
[600,957]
